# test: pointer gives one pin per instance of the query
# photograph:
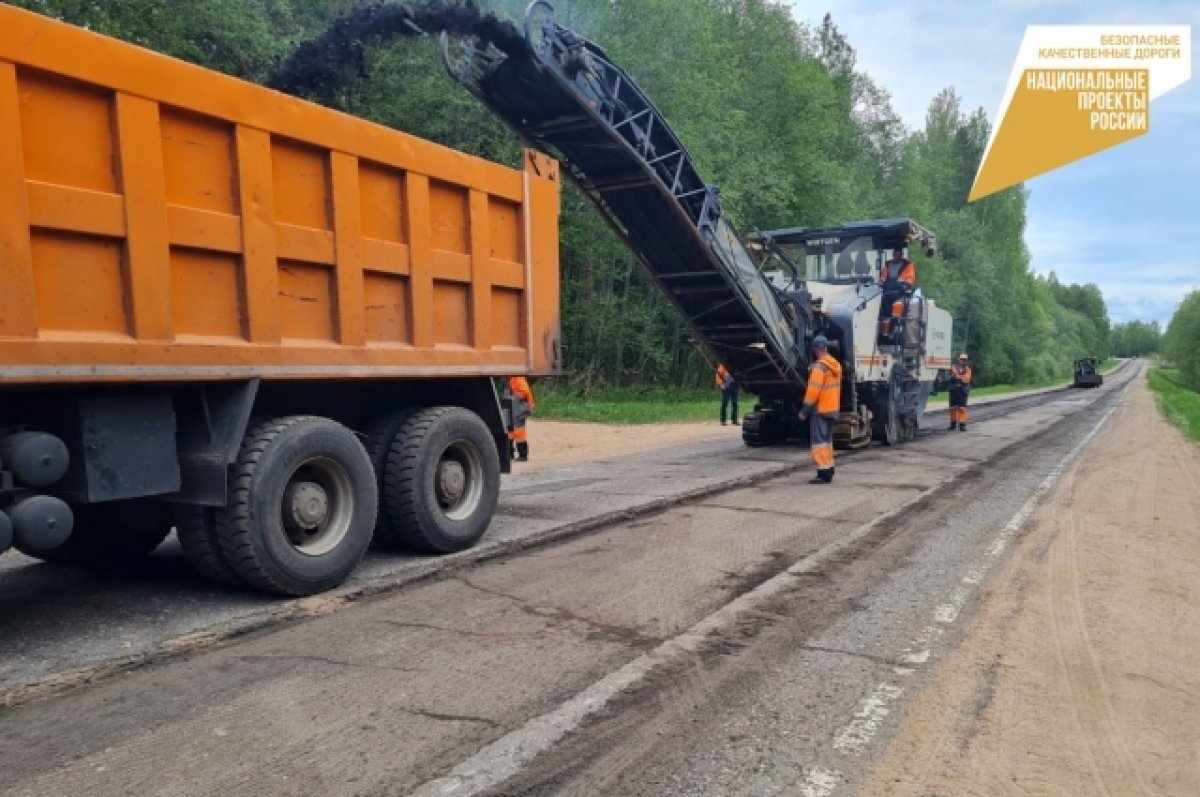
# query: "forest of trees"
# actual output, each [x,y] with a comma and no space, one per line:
[774,111]
[1136,339]
[1181,343]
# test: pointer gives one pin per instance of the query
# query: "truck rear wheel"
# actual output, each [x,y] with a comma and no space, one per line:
[302,504]
[197,530]
[112,534]
[379,435]
[442,480]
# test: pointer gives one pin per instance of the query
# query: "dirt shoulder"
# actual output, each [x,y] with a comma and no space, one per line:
[1081,673]
[554,443]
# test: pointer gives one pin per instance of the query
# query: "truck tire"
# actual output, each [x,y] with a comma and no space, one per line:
[442,481]
[197,530]
[377,438]
[302,504]
[112,534]
[889,429]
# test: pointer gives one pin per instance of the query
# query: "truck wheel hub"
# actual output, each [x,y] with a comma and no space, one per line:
[452,480]
[307,504]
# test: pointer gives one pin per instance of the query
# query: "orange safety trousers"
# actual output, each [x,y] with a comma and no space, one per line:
[519,434]
[820,440]
[822,456]
[958,414]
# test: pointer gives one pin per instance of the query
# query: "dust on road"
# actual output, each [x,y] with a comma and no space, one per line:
[1081,675]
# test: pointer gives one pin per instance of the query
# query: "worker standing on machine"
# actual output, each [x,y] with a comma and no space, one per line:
[822,402]
[960,389]
[729,393]
[523,404]
[899,275]
[897,278]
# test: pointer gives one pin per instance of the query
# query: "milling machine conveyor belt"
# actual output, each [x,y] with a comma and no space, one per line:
[563,96]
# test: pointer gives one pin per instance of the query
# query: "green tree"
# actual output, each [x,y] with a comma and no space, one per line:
[1136,339]
[1181,344]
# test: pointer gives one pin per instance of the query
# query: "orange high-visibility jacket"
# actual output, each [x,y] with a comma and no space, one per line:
[899,270]
[824,392]
[519,386]
[722,371]
[961,372]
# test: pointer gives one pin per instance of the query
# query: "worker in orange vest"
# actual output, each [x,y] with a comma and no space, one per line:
[898,277]
[960,389]
[822,402]
[518,436]
[729,393]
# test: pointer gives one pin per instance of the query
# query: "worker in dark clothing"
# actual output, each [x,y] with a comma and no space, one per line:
[822,402]
[518,436]
[960,389]
[729,393]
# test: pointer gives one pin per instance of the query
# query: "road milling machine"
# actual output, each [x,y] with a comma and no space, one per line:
[894,346]
[756,304]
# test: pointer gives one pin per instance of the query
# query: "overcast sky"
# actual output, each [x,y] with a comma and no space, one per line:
[1127,219]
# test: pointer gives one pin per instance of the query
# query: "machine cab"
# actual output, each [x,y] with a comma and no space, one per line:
[843,255]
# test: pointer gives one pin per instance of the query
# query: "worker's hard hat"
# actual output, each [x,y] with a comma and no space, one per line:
[963,356]
[820,341]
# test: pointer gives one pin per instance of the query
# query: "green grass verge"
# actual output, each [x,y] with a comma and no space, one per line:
[662,405]
[1179,405]
[632,406]
[999,390]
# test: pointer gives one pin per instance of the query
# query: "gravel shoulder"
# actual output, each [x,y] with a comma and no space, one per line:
[555,443]
[1081,673]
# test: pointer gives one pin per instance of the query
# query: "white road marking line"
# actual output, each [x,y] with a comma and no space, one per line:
[820,782]
[975,575]
[871,712]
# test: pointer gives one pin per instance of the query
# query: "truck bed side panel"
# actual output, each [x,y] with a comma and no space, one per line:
[161,221]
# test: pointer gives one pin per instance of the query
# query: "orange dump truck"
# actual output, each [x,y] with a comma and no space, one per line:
[269,325]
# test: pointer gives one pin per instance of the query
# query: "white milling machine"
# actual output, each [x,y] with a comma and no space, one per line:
[891,363]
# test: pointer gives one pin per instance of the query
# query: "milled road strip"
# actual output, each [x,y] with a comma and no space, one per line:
[858,735]
[507,756]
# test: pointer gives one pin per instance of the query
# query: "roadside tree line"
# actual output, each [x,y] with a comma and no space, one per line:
[1136,339]
[1181,343]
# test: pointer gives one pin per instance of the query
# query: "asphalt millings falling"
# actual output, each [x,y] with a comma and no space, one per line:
[324,67]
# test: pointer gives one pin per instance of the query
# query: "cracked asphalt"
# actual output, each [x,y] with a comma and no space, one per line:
[805,620]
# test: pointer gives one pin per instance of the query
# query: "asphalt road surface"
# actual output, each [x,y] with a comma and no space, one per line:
[742,632]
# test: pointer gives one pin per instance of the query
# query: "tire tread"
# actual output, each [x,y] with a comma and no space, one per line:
[234,527]
[403,497]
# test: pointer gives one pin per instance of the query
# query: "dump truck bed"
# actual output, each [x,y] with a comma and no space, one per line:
[163,222]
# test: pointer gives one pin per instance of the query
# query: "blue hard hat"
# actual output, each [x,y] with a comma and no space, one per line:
[820,341]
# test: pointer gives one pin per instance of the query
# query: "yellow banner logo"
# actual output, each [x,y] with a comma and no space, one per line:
[1077,90]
